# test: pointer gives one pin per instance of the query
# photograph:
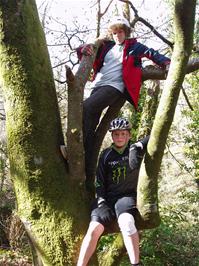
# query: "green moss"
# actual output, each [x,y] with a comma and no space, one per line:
[112,255]
[53,208]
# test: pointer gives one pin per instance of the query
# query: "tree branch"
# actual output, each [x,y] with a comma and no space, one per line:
[187,99]
[147,196]
[69,74]
[181,165]
[76,86]
[146,23]
[154,72]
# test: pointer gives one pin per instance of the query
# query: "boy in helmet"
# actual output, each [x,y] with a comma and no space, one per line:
[117,73]
[116,186]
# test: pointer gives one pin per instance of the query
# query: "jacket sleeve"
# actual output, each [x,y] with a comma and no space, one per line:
[153,55]
[144,141]
[78,50]
[100,177]
[136,153]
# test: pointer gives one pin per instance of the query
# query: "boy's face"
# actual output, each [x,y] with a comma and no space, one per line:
[120,137]
[118,35]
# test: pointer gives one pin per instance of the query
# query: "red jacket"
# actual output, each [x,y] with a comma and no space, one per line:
[132,65]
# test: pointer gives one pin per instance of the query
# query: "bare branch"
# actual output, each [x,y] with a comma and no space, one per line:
[138,18]
[106,9]
[187,99]
[2,116]
[60,82]
[182,165]
[155,31]
[101,14]
[69,74]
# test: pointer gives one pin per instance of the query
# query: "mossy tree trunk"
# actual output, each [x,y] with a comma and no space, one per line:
[114,254]
[149,109]
[51,204]
[184,14]
[148,215]
[75,150]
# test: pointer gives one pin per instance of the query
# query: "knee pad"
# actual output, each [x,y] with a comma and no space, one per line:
[127,224]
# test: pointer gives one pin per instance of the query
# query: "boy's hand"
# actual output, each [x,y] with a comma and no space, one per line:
[167,67]
[133,155]
[87,49]
[104,211]
[167,70]
[100,201]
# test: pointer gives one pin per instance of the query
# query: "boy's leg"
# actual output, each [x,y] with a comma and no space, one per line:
[89,243]
[130,236]
[100,216]
[125,208]
[132,246]
[100,98]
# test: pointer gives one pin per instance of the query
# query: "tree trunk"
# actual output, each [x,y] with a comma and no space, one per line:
[147,185]
[76,84]
[52,205]
[149,109]
[147,199]
[114,254]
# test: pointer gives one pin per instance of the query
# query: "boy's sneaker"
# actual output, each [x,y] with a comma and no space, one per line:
[64,151]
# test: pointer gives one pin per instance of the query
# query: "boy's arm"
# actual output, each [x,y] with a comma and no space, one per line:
[153,55]
[84,49]
[143,142]
[136,152]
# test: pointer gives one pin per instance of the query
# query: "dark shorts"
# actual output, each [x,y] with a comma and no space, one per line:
[110,211]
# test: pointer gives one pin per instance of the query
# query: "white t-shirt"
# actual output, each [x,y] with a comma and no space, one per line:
[111,71]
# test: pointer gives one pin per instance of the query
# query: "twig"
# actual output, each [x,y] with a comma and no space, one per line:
[138,18]
[187,99]
[60,82]
[182,166]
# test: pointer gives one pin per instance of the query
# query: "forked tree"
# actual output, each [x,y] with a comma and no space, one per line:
[52,201]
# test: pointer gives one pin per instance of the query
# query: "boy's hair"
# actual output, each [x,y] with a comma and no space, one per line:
[119,26]
[118,23]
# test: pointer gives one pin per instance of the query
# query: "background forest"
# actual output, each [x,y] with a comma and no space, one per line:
[175,242]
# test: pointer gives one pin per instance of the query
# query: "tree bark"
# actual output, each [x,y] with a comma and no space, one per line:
[52,205]
[147,185]
[156,73]
[115,252]
[149,109]
[76,84]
